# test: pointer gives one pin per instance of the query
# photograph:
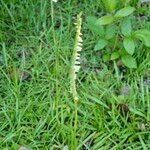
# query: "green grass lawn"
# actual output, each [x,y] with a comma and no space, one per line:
[36,107]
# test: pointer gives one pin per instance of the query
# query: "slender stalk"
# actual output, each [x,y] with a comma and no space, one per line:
[73,75]
[56,61]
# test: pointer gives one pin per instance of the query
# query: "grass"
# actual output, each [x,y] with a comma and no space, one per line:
[37,109]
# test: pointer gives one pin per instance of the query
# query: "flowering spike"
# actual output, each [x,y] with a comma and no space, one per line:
[76,57]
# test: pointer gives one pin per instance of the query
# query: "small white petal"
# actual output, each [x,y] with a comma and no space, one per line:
[77,58]
[23,148]
[144,1]
[76,68]
[80,39]
[80,44]
[77,54]
[55,1]
[79,48]
[65,147]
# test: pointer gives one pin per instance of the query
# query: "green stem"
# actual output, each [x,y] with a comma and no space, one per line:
[56,61]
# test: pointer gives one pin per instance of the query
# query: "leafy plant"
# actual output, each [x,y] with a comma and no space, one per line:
[117,35]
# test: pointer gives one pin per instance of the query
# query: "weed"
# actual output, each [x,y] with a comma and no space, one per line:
[117,38]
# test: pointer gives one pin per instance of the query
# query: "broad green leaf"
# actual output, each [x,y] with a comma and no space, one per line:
[91,23]
[129,45]
[106,57]
[129,61]
[126,11]
[100,44]
[110,5]
[114,55]
[110,31]
[105,20]
[122,52]
[126,28]
[125,2]
[144,36]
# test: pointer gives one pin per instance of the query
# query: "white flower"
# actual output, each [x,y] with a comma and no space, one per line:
[55,1]
[144,1]
[76,68]
[65,147]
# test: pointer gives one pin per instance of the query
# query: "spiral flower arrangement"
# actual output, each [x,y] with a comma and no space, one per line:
[76,57]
